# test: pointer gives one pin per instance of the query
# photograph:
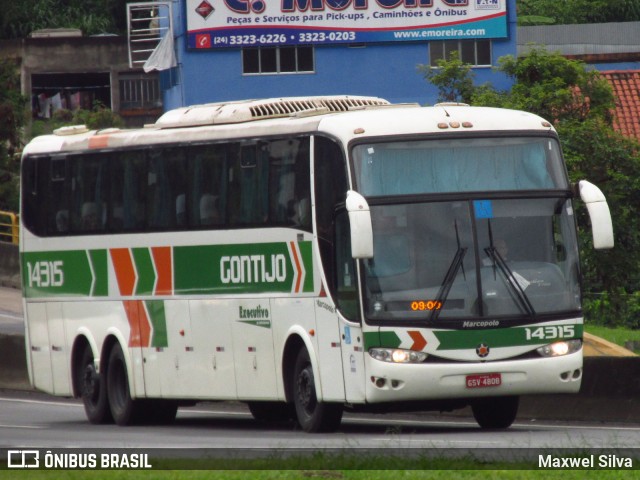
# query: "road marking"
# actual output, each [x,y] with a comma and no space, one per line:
[11,315]
[40,402]
[34,427]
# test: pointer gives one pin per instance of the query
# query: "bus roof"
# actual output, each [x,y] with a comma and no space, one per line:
[345,117]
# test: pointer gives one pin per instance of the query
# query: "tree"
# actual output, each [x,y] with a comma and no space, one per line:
[557,88]
[579,103]
[12,116]
[453,78]
[543,12]
[19,18]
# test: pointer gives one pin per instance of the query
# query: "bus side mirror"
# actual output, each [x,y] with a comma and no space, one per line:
[360,225]
[599,214]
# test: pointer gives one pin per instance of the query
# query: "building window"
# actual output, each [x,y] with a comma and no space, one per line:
[139,91]
[270,60]
[472,52]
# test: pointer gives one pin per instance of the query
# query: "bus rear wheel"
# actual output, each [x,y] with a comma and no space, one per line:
[312,415]
[93,389]
[125,410]
[495,413]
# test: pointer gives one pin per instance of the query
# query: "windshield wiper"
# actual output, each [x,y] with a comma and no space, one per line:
[512,281]
[449,278]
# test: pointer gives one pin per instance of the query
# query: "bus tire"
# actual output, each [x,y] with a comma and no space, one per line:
[271,411]
[125,410]
[313,416]
[496,412]
[93,389]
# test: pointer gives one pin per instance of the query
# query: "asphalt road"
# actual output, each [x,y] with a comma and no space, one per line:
[33,420]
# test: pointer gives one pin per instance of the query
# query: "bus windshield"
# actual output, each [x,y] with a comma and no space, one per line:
[458,165]
[481,256]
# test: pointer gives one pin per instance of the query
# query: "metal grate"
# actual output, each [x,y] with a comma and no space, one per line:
[147,24]
[250,110]
[139,91]
[285,107]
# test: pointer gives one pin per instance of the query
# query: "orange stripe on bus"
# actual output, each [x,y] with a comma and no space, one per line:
[125,271]
[99,141]
[298,267]
[162,260]
[140,334]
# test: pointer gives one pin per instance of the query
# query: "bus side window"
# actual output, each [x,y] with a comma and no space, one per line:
[88,193]
[330,191]
[206,190]
[127,196]
[345,268]
[34,175]
[289,189]
[57,204]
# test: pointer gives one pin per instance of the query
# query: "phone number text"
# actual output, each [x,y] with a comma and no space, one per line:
[281,38]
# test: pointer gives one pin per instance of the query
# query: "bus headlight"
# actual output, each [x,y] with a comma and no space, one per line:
[558,349]
[397,355]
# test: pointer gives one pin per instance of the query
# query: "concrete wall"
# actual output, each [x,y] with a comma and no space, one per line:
[70,55]
[78,55]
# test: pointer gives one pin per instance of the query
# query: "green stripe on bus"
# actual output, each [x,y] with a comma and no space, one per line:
[381,339]
[307,261]
[145,271]
[245,268]
[508,337]
[101,281]
[158,319]
[58,273]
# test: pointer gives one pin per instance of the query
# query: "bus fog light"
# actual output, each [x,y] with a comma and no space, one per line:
[559,349]
[397,355]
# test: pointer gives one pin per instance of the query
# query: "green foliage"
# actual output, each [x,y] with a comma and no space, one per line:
[453,78]
[98,118]
[579,103]
[19,18]
[542,12]
[12,116]
[614,309]
[557,88]
[623,336]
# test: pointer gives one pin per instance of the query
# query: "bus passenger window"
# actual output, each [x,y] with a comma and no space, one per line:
[345,268]
[62,221]
[89,216]
[209,212]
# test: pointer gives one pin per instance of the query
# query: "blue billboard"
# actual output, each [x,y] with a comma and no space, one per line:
[251,23]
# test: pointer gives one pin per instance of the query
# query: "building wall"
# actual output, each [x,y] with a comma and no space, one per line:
[73,58]
[386,70]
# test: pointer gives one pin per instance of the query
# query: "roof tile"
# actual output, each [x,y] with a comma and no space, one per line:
[626,88]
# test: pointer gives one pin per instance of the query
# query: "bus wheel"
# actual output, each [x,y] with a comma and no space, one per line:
[497,412]
[125,410]
[313,416]
[93,389]
[271,411]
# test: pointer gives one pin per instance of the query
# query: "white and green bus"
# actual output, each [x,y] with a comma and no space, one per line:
[305,255]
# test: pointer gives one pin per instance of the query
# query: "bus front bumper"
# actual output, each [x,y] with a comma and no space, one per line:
[389,382]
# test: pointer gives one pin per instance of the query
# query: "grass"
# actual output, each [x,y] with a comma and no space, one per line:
[322,474]
[355,466]
[617,335]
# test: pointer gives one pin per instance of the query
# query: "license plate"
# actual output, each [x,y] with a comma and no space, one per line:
[484,380]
